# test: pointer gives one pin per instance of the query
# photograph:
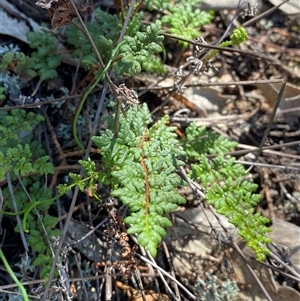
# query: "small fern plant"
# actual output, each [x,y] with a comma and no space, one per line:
[44,58]
[140,166]
[24,159]
[226,190]
[182,17]
[42,62]
[19,153]
[138,50]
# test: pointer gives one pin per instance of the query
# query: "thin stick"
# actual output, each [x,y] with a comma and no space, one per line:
[11,191]
[168,275]
[260,16]
[262,56]
[252,272]
[118,100]
[270,122]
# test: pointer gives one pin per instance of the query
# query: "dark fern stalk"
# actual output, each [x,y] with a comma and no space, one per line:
[225,188]
[142,164]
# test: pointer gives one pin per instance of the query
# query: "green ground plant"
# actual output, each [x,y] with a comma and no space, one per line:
[182,17]
[140,165]
[138,51]
[24,159]
[226,188]
[2,94]
[44,58]
[42,62]
[19,63]
[19,153]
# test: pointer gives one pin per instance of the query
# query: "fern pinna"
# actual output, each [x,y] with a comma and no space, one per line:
[226,189]
[140,166]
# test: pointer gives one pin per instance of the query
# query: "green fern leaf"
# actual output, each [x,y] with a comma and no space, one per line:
[143,163]
[225,189]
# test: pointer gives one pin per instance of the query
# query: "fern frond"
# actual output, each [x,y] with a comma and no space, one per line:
[225,188]
[44,62]
[182,18]
[139,47]
[137,50]
[143,163]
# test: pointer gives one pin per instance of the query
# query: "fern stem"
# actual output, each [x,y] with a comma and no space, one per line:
[13,276]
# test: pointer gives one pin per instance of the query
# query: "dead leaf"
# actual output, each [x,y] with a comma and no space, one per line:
[290,98]
[222,4]
[61,13]
[208,99]
[292,7]
[14,23]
